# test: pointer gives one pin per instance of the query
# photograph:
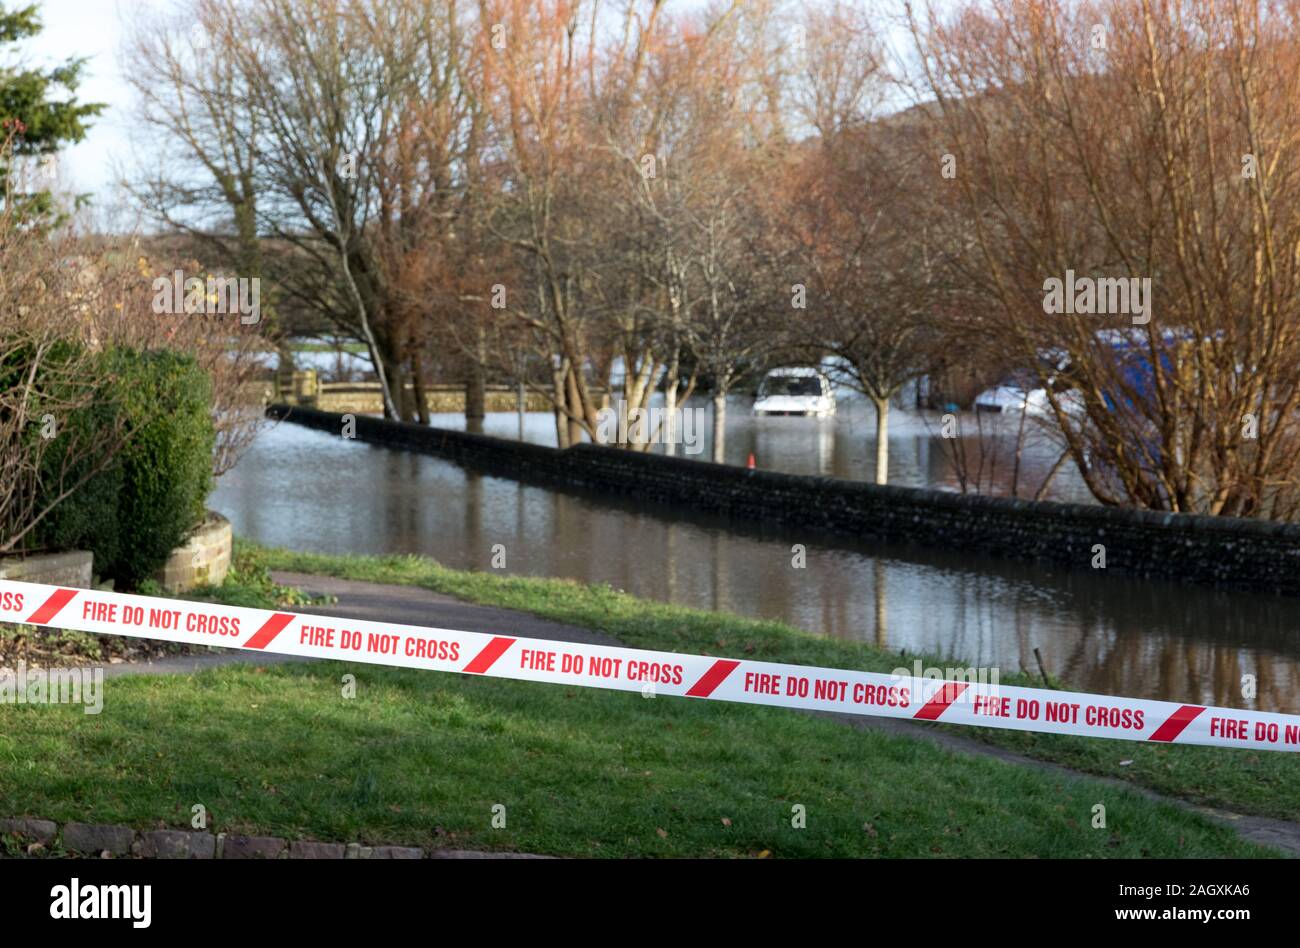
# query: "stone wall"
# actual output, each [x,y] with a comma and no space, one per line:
[39,837]
[1247,555]
[202,560]
[72,568]
[365,397]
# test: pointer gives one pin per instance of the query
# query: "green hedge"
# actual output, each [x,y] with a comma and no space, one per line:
[133,514]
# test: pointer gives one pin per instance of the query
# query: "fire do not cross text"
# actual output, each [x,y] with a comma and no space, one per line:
[156,617]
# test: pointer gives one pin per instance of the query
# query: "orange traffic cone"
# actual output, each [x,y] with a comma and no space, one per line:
[750,463]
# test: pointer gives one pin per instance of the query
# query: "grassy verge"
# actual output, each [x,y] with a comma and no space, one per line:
[1245,781]
[423,759]
[248,585]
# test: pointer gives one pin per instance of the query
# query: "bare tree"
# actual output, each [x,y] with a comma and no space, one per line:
[1126,171]
[863,245]
[199,137]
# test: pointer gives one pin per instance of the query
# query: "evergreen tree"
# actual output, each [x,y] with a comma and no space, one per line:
[39,112]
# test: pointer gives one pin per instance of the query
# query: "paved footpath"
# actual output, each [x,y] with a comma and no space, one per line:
[412,605]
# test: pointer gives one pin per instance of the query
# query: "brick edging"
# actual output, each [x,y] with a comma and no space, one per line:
[113,840]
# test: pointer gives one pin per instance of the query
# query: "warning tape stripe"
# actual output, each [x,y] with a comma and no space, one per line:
[710,680]
[485,659]
[269,630]
[1176,723]
[941,702]
[52,606]
[643,670]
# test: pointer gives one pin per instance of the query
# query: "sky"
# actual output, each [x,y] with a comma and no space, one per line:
[94,29]
[91,29]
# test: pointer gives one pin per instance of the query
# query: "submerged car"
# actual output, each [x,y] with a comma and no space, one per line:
[1016,396]
[1013,398]
[797,391]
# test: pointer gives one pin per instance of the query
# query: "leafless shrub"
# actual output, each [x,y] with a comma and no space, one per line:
[45,376]
[229,350]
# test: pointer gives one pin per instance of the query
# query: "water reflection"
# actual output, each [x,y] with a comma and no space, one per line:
[310,491]
[844,446]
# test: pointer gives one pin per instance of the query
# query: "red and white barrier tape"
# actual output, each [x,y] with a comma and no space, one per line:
[626,669]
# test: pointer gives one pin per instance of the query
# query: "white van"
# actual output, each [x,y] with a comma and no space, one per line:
[797,391]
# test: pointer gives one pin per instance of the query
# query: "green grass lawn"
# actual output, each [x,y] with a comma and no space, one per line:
[1267,784]
[422,759]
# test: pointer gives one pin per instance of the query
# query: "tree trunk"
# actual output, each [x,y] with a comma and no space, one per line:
[401,395]
[284,356]
[558,378]
[521,406]
[475,398]
[719,426]
[669,434]
[575,405]
[882,440]
[392,375]
[381,373]
[378,354]
[476,386]
[421,396]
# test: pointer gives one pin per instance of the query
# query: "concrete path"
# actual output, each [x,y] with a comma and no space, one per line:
[415,606]
[412,605]
[408,605]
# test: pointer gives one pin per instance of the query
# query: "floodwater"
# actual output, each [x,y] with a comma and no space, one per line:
[308,490]
[844,446]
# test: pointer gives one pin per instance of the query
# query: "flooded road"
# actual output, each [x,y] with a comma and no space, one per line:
[310,491]
[844,446]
